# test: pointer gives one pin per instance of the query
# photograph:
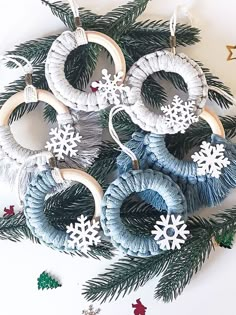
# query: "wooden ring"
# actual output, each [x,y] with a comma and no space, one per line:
[88,181]
[17,99]
[55,74]
[213,121]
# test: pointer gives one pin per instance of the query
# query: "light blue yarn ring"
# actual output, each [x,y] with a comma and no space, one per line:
[128,183]
[34,203]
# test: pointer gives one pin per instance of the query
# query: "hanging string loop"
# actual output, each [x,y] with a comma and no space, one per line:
[115,136]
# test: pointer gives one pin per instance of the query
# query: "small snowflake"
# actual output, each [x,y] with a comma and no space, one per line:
[63,142]
[91,311]
[167,237]
[210,159]
[111,89]
[179,116]
[83,234]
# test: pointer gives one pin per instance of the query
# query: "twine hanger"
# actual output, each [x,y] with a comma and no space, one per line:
[30,92]
[115,136]
[173,23]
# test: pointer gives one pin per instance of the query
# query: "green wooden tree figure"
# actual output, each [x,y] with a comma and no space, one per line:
[45,281]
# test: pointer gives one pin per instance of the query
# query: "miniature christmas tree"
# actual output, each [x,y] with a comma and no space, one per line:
[45,281]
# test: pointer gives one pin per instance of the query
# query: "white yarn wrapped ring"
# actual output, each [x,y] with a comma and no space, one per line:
[55,74]
[166,61]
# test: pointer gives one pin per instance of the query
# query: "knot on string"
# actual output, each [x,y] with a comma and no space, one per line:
[115,137]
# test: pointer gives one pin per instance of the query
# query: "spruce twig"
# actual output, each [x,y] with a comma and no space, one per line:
[175,267]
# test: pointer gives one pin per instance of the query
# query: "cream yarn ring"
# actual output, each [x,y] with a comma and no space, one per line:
[34,201]
[55,73]
[17,99]
[168,62]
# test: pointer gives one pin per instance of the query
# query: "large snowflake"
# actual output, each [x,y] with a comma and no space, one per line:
[63,142]
[83,234]
[91,311]
[179,116]
[210,159]
[170,232]
[111,89]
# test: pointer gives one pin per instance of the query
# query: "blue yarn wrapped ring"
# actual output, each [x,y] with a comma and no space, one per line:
[126,184]
[34,202]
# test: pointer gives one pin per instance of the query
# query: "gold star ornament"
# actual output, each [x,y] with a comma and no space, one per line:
[230,49]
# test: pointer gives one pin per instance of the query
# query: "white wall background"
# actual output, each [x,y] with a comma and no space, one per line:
[212,291]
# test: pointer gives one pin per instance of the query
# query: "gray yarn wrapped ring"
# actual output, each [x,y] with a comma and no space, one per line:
[124,186]
[168,62]
[55,74]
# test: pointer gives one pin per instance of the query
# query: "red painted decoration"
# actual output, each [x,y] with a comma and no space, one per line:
[9,212]
[94,89]
[140,309]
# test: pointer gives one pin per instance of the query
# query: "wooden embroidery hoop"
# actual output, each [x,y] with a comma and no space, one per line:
[17,99]
[55,64]
[213,121]
[89,182]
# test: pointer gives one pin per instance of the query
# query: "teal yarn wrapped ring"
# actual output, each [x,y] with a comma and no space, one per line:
[126,184]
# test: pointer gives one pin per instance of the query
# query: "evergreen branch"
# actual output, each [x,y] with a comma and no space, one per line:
[34,50]
[149,36]
[123,277]
[64,13]
[116,22]
[177,267]
[14,228]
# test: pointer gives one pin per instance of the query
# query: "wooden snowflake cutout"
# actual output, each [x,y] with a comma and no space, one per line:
[91,311]
[83,234]
[179,116]
[210,159]
[170,232]
[63,142]
[112,90]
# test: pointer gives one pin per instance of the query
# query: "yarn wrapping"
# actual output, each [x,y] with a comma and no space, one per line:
[166,61]
[119,190]
[199,191]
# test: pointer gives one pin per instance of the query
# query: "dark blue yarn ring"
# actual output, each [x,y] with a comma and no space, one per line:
[126,184]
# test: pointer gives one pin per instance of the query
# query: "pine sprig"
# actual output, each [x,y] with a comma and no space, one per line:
[34,50]
[175,267]
[116,22]
[14,228]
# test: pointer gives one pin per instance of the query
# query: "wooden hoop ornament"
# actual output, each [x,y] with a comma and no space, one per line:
[34,202]
[166,61]
[13,155]
[17,99]
[55,64]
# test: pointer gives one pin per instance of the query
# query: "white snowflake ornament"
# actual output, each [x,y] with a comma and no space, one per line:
[63,142]
[83,234]
[111,89]
[170,232]
[179,116]
[210,159]
[91,311]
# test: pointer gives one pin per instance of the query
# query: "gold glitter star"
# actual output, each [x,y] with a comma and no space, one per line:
[230,48]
